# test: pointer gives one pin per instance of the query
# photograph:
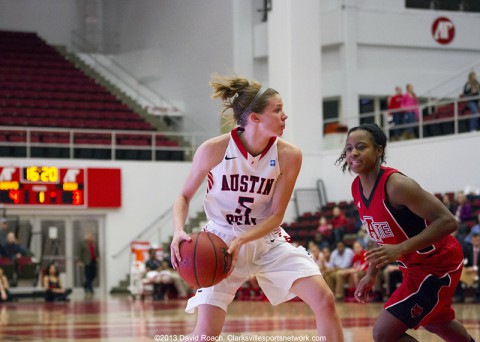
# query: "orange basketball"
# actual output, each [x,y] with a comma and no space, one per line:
[205,261]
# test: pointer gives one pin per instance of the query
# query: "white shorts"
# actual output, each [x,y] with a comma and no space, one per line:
[275,263]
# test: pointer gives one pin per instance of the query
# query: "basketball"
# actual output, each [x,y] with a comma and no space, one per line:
[205,261]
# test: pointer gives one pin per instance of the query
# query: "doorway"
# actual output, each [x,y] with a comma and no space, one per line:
[58,239]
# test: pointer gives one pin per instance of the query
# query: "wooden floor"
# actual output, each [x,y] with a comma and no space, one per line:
[122,319]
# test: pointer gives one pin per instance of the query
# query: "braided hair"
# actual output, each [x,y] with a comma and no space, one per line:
[378,137]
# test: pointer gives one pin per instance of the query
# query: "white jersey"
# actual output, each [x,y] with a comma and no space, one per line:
[240,188]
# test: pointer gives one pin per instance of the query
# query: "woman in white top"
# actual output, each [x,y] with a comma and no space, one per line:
[251,175]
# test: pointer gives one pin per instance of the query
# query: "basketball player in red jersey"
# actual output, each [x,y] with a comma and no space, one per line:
[412,228]
[251,175]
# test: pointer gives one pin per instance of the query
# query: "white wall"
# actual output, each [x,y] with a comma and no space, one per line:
[52,19]
[193,39]
[439,164]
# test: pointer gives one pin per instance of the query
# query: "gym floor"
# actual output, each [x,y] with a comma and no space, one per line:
[120,318]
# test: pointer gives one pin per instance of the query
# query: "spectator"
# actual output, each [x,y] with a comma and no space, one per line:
[325,228]
[392,277]
[339,223]
[463,208]
[12,249]
[3,231]
[394,109]
[325,263]
[160,273]
[472,89]
[53,286]
[152,269]
[89,255]
[363,237]
[474,230]
[411,114]
[321,241]
[341,259]
[315,252]
[447,202]
[354,273]
[471,272]
[4,286]
[463,213]
[167,273]
[153,263]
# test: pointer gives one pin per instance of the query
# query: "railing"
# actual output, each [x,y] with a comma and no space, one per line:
[436,117]
[32,142]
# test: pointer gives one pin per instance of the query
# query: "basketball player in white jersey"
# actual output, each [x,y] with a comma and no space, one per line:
[251,175]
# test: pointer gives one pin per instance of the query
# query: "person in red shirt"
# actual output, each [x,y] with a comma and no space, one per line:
[339,224]
[413,228]
[394,109]
[89,258]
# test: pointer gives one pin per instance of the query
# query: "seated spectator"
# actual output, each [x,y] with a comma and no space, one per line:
[160,273]
[356,272]
[474,230]
[339,223]
[471,270]
[12,249]
[392,277]
[153,263]
[314,251]
[325,263]
[3,231]
[325,229]
[4,286]
[341,259]
[463,213]
[448,203]
[53,286]
[362,237]
[180,285]
[152,268]
[320,240]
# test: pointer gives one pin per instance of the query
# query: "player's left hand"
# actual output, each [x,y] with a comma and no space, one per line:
[383,255]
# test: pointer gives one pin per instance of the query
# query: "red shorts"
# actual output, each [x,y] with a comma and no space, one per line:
[425,295]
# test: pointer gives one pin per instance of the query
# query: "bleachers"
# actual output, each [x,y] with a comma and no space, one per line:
[304,228]
[446,120]
[40,88]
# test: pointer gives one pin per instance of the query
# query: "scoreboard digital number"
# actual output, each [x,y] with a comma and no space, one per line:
[42,185]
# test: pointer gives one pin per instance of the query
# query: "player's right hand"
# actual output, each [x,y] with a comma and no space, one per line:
[363,289]
[178,237]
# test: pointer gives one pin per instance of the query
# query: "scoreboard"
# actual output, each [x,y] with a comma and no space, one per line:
[43,185]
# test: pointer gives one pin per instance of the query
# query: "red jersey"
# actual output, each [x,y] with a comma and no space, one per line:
[360,261]
[395,102]
[387,225]
[430,275]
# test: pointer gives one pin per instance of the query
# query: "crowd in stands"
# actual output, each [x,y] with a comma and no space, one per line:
[337,241]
